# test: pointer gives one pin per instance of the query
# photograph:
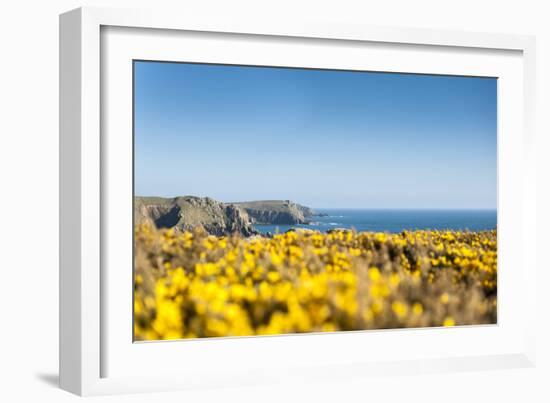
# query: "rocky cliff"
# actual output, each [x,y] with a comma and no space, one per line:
[187,212]
[276,212]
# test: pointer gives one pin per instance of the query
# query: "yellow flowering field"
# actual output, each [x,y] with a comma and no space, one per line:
[191,284]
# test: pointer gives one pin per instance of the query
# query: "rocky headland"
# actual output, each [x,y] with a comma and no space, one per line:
[217,218]
[276,212]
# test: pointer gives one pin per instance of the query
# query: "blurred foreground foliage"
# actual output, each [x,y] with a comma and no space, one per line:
[191,284]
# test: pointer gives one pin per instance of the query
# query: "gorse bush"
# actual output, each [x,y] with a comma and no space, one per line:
[191,284]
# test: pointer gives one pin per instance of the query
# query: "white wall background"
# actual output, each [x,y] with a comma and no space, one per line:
[29,201]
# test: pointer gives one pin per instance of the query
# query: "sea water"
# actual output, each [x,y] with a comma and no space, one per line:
[394,220]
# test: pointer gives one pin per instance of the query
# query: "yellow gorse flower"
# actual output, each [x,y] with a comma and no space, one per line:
[191,284]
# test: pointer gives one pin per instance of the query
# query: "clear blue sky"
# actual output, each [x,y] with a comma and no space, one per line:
[319,137]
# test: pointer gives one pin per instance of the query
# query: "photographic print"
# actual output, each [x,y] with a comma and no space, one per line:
[275,200]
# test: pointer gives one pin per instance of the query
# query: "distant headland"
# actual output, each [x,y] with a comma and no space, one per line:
[218,218]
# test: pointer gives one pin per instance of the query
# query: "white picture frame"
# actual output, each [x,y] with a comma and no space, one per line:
[96,354]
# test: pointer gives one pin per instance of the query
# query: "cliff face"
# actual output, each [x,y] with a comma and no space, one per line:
[188,212]
[217,218]
[277,212]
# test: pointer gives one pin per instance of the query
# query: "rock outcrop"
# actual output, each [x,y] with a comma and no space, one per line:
[217,218]
[188,212]
[277,212]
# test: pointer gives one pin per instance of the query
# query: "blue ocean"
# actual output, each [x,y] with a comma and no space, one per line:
[394,220]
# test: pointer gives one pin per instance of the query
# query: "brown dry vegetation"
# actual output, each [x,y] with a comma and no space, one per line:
[191,284]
